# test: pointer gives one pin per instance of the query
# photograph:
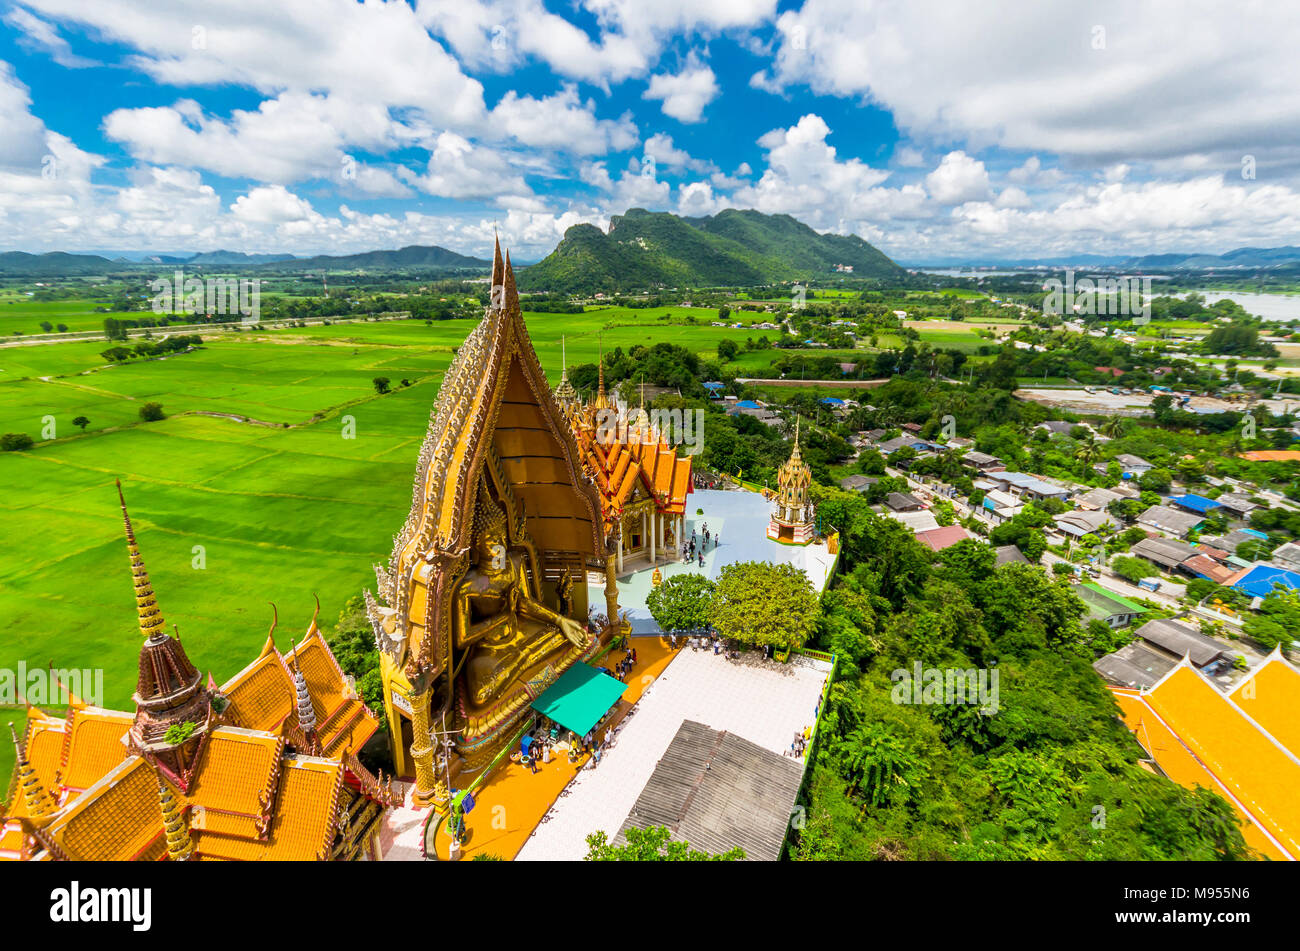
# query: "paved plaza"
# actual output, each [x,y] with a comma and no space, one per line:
[763,702]
[739,519]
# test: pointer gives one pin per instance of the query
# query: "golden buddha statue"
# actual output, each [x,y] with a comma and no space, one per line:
[497,613]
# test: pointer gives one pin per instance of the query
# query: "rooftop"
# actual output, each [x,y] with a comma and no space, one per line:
[764,703]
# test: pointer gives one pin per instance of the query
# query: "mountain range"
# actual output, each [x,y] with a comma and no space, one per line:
[62,264]
[642,250]
[1241,258]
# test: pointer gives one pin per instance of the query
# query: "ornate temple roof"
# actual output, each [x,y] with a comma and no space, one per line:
[495,417]
[249,789]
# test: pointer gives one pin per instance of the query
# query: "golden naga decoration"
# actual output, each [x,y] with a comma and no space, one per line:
[478,611]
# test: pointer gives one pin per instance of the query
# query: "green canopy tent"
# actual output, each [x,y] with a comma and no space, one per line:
[579,698]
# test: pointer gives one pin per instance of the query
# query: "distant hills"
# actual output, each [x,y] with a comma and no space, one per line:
[644,249]
[62,264]
[1241,258]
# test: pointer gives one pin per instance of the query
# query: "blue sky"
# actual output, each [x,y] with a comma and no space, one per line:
[934,130]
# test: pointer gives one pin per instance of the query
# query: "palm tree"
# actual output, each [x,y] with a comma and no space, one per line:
[1087,454]
[1113,426]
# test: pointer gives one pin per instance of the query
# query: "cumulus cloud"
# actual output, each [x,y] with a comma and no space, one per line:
[1226,86]
[685,94]
[959,178]
[562,121]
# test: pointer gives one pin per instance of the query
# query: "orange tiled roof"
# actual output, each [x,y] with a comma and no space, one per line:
[1246,760]
[303,824]
[115,820]
[261,695]
[247,799]
[1271,697]
[1272,455]
[620,465]
[93,746]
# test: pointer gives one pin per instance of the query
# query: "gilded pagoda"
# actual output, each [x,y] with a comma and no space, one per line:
[792,519]
[643,482]
[483,603]
[263,767]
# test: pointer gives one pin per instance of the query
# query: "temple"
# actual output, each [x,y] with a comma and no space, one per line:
[643,483]
[483,603]
[792,520]
[263,767]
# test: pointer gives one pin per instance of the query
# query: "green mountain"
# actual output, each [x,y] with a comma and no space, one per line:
[412,256]
[54,264]
[644,249]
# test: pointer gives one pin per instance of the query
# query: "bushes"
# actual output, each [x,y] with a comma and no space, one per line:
[15,442]
[152,412]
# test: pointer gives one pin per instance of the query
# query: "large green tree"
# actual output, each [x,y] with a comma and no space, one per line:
[765,605]
[681,603]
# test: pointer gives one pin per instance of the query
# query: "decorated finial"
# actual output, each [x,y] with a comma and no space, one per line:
[306,712]
[180,847]
[146,605]
[35,797]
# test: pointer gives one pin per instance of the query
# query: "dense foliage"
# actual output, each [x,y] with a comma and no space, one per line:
[1052,774]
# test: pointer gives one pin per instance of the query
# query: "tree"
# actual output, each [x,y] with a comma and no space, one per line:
[652,845]
[1131,568]
[727,350]
[152,412]
[353,645]
[46,326]
[1278,621]
[82,422]
[15,442]
[681,603]
[381,384]
[763,604]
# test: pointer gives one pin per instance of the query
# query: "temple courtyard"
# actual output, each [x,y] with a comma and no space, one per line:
[739,519]
[548,814]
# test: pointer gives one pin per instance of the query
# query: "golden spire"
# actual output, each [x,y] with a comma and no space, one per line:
[498,272]
[180,847]
[795,454]
[602,402]
[146,605]
[564,391]
[37,799]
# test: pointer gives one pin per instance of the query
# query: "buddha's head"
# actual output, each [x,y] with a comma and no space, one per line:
[490,536]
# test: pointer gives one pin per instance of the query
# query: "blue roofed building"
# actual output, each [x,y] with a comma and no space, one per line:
[1194,503]
[1258,581]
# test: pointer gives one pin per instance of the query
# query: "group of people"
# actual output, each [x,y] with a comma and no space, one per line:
[799,745]
[624,666]
[694,549]
[705,482]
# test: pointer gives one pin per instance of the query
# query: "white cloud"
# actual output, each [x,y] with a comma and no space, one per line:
[293,137]
[458,169]
[1032,172]
[37,34]
[1027,76]
[562,121]
[806,179]
[660,148]
[687,93]
[271,205]
[372,52]
[959,178]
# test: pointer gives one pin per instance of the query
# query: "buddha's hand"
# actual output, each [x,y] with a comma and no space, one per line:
[512,598]
[574,631]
